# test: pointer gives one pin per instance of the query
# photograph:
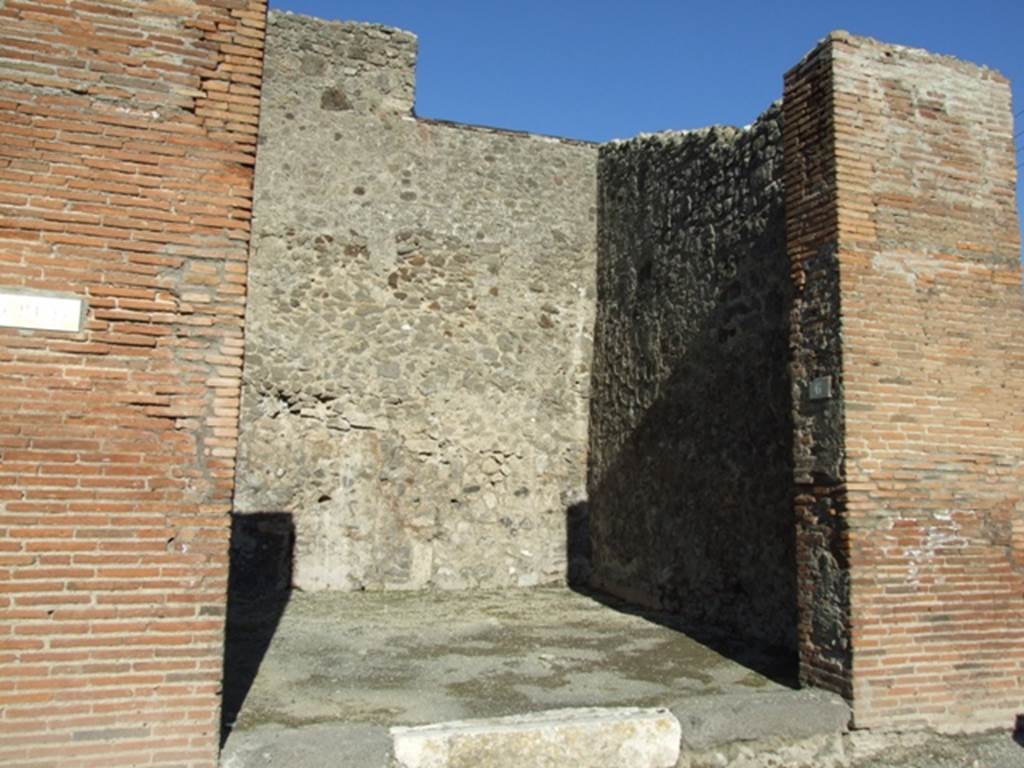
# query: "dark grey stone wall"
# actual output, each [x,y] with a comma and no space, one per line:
[690,467]
[418,335]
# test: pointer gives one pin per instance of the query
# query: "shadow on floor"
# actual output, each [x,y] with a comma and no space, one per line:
[780,665]
[259,586]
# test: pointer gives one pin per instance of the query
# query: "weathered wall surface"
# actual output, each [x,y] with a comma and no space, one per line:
[819,438]
[418,334]
[127,142]
[933,327]
[927,248]
[690,463]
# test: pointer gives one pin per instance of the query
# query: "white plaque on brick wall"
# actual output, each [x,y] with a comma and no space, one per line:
[41,311]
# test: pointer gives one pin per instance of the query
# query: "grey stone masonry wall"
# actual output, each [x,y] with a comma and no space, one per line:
[419,326]
[690,468]
[338,66]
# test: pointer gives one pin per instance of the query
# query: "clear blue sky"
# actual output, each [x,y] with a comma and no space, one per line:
[597,69]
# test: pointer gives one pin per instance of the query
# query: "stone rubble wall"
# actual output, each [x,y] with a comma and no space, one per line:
[690,464]
[419,329]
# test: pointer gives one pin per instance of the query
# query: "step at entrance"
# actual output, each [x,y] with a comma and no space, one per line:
[594,737]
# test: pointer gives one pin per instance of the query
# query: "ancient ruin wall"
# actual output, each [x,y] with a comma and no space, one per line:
[933,336]
[127,142]
[690,464]
[418,334]
[926,243]
[819,490]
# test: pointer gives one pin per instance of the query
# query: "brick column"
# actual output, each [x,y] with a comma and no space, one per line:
[905,248]
[127,143]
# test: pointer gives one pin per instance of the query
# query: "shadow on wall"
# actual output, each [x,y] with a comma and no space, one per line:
[778,664]
[690,507]
[713,560]
[694,513]
[259,586]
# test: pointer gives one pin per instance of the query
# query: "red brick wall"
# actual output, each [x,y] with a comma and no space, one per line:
[932,377]
[127,142]
[822,544]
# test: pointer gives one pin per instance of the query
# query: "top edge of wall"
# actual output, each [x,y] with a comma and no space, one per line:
[672,136]
[510,132]
[908,51]
[383,30]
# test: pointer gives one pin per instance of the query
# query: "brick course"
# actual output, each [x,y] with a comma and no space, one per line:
[127,143]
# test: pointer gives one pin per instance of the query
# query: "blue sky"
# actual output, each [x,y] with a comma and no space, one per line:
[597,69]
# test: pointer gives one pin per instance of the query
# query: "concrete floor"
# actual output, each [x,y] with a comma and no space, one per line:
[417,658]
[346,666]
[336,670]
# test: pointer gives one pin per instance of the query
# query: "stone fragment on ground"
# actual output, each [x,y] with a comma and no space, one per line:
[593,737]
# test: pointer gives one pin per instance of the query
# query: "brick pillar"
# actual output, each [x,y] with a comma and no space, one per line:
[904,242]
[127,143]
[822,551]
